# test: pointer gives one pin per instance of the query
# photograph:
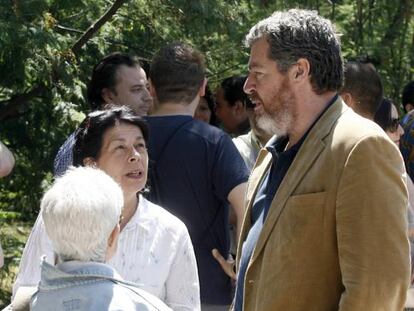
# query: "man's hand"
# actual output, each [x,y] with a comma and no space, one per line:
[228,266]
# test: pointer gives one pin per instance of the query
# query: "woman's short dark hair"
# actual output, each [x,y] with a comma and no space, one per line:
[408,94]
[233,90]
[208,96]
[89,135]
[383,115]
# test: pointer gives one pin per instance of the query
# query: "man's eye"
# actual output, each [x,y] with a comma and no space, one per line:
[120,147]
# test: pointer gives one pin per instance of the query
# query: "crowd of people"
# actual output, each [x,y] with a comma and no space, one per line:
[284,189]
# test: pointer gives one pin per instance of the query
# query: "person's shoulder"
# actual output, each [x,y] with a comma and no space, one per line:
[356,135]
[206,131]
[354,127]
[164,219]
[407,120]
[131,297]
[243,140]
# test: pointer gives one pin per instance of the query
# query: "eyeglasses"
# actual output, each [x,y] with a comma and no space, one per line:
[393,126]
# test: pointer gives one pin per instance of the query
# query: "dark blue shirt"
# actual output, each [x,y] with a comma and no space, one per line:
[281,161]
[64,157]
[193,168]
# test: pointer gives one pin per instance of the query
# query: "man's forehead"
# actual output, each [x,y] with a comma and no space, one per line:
[134,74]
[259,53]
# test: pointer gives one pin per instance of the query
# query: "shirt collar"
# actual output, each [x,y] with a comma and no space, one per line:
[142,218]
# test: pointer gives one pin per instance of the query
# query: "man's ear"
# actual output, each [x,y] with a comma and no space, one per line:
[107,95]
[152,89]
[347,97]
[202,90]
[300,70]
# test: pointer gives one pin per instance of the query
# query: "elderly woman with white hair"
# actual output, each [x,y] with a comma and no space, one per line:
[155,249]
[81,212]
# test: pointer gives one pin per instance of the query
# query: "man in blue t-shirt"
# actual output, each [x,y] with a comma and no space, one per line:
[195,169]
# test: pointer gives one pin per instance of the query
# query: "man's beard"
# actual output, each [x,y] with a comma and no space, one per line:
[276,124]
[278,118]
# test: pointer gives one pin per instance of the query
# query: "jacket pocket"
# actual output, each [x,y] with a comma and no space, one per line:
[301,222]
[307,200]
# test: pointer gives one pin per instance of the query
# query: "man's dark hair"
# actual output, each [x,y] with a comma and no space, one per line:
[233,90]
[383,114]
[89,135]
[408,94]
[177,73]
[363,82]
[296,34]
[104,75]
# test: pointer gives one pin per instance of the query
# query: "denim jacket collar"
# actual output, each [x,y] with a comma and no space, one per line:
[69,271]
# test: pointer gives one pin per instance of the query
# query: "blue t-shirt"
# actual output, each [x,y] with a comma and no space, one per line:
[193,168]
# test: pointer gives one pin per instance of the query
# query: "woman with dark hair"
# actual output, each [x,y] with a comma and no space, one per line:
[387,117]
[154,249]
[206,109]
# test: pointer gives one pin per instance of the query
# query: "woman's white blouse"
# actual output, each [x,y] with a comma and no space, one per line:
[154,251]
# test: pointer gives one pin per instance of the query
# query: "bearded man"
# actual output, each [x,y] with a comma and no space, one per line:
[325,227]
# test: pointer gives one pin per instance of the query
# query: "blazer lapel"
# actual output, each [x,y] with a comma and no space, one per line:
[307,155]
[263,162]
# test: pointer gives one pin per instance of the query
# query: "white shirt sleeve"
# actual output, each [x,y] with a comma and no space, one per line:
[37,245]
[7,160]
[182,285]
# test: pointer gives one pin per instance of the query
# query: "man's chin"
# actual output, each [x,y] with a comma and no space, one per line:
[268,124]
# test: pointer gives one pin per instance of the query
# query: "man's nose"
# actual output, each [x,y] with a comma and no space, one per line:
[248,85]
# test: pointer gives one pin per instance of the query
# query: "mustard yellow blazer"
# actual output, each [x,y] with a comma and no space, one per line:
[335,237]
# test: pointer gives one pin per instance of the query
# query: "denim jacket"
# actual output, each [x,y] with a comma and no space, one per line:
[91,286]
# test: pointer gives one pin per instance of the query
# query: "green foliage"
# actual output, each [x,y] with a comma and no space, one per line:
[35,49]
[13,236]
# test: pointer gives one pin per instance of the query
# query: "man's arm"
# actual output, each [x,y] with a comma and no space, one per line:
[6,160]
[371,220]
[236,198]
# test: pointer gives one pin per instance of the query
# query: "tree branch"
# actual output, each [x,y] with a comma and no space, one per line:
[64,28]
[11,107]
[96,26]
